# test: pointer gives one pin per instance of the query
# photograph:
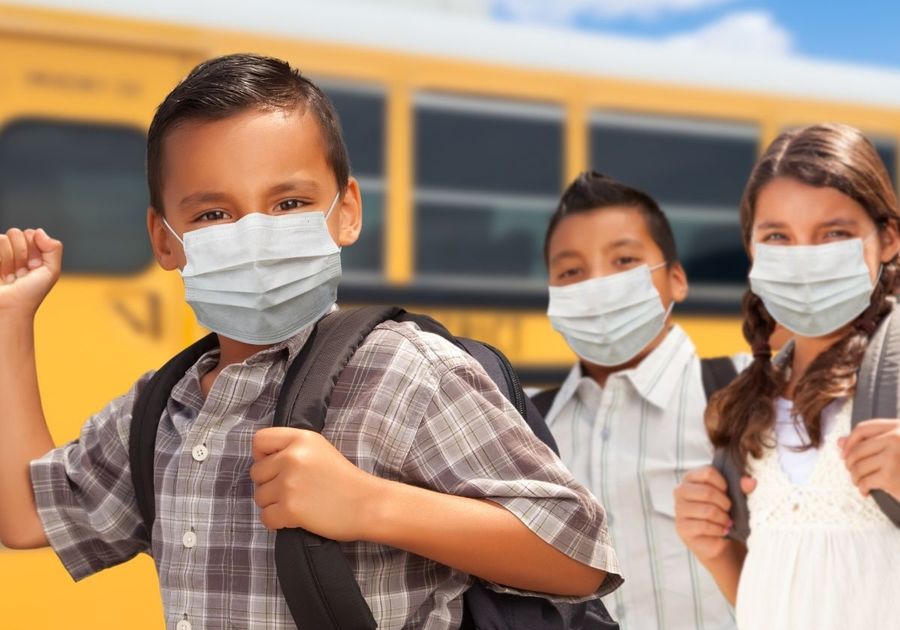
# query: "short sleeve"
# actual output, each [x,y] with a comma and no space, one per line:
[84,495]
[472,442]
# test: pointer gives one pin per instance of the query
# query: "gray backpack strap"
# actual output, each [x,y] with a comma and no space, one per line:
[717,373]
[877,391]
[739,512]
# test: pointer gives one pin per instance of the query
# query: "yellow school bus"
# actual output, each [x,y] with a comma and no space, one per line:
[462,134]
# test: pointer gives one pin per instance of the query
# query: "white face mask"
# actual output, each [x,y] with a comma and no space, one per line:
[262,279]
[608,321]
[812,290]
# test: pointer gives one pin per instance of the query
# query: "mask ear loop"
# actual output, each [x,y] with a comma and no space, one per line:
[166,223]
[333,204]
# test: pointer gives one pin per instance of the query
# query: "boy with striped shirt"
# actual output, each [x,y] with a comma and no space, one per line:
[629,417]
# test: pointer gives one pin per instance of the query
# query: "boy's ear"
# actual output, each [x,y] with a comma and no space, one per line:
[678,282]
[350,211]
[161,240]
[890,242]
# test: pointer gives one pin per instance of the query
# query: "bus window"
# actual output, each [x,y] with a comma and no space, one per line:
[487,176]
[362,113]
[85,184]
[696,170]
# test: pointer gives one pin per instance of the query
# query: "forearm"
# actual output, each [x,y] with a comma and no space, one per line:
[477,537]
[25,434]
[726,569]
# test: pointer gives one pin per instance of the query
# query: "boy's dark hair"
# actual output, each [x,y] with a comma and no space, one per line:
[594,191]
[228,85]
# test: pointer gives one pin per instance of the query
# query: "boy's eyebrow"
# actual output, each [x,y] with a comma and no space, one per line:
[566,253]
[308,186]
[202,197]
[768,225]
[624,241]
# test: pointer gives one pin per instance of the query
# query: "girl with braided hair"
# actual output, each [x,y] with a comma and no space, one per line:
[820,221]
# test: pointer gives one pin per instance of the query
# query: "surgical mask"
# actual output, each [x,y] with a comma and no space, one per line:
[264,278]
[812,290]
[609,320]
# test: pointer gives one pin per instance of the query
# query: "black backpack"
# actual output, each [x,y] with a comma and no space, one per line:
[316,579]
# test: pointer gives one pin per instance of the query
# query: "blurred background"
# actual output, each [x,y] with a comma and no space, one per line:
[464,120]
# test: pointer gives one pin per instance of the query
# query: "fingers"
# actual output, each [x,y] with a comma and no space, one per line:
[710,512]
[24,250]
[19,246]
[265,469]
[748,485]
[694,528]
[34,254]
[863,450]
[274,517]
[874,480]
[708,475]
[866,430]
[7,265]
[50,249]
[272,440]
[704,493]
[864,468]
[265,495]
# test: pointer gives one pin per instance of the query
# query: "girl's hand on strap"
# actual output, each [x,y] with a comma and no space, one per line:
[872,455]
[701,511]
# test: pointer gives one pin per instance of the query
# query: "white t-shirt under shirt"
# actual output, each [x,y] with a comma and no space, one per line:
[820,555]
[790,434]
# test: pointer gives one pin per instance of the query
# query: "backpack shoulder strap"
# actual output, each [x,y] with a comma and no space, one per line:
[877,388]
[543,400]
[148,408]
[316,579]
[717,373]
[498,368]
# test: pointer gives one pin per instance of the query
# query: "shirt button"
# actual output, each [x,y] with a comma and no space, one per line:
[200,452]
[604,434]
[189,539]
[184,624]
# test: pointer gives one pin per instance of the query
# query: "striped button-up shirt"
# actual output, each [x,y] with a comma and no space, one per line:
[630,442]
[409,407]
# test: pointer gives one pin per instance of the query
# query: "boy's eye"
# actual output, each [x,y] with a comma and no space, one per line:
[291,204]
[213,215]
[837,234]
[774,236]
[568,273]
[624,261]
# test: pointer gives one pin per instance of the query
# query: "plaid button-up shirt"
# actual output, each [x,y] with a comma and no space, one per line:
[409,407]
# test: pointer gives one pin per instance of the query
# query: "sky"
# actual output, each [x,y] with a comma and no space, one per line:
[862,31]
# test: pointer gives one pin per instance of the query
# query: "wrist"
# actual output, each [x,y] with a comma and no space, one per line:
[378,518]
[16,325]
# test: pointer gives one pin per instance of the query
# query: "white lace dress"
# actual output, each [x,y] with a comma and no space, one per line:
[821,556]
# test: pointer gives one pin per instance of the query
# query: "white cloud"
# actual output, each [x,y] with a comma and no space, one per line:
[567,11]
[754,32]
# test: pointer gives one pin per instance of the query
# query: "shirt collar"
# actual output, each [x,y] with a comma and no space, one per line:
[658,375]
[654,379]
